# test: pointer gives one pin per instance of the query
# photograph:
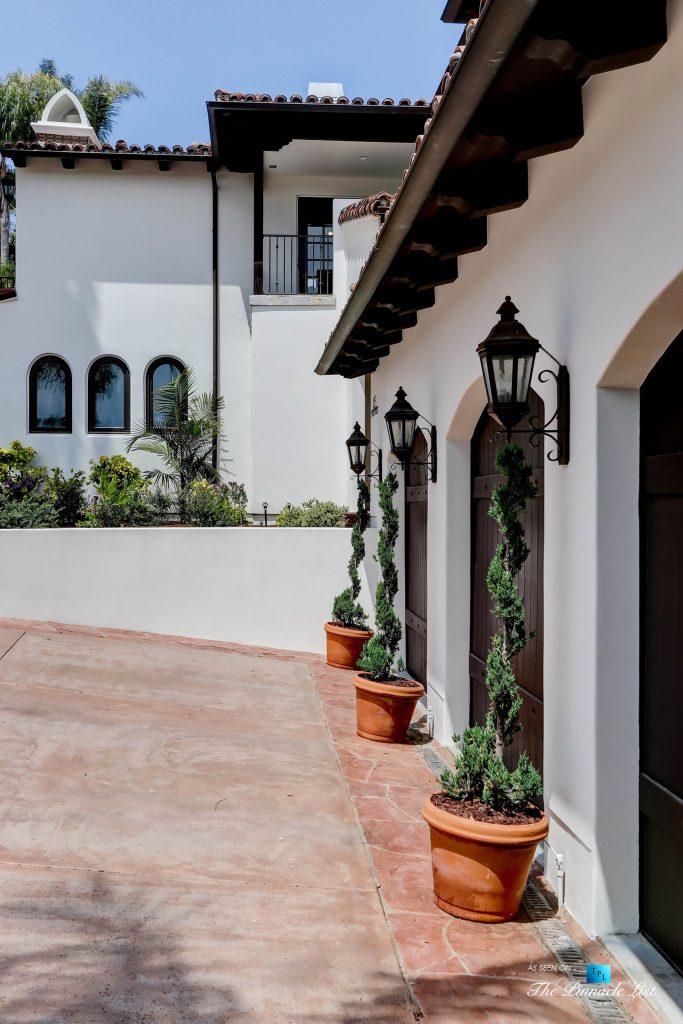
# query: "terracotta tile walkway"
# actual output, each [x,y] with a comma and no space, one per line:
[152,867]
[460,972]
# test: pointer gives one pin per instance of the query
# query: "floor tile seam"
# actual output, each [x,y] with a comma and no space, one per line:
[449,945]
[49,628]
[157,881]
[412,857]
[413,1002]
[13,645]
[110,697]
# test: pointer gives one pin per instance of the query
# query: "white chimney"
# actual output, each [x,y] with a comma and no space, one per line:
[334,89]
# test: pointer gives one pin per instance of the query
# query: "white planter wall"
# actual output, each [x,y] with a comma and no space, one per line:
[270,587]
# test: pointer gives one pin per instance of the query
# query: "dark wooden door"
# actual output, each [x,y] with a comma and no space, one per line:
[485,537]
[661,687]
[416,562]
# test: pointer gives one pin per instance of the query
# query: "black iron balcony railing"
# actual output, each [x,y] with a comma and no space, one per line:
[6,282]
[296,265]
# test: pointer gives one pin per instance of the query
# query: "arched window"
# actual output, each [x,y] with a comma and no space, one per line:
[49,396]
[108,396]
[161,372]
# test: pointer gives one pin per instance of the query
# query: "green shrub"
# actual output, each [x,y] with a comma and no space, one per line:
[346,610]
[313,513]
[479,769]
[16,458]
[238,496]
[209,505]
[134,508]
[33,511]
[67,494]
[112,474]
[377,657]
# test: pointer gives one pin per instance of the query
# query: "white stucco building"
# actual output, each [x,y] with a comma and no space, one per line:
[543,177]
[133,261]
[548,169]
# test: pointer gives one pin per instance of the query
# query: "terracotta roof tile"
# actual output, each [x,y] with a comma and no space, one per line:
[370,206]
[225,96]
[198,149]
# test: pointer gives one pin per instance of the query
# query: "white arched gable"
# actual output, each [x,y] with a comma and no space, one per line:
[64,117]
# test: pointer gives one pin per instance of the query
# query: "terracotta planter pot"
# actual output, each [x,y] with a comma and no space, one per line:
[384,711]
[480,869]
[344,646]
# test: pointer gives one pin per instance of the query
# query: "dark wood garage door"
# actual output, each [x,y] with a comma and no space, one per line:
[661,705]
[416,563]
[529,663]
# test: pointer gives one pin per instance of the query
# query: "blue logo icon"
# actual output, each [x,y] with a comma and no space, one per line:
[598,974]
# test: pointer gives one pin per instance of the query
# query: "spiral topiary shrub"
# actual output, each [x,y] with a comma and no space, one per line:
[377,658]
[346,610]
[479,770]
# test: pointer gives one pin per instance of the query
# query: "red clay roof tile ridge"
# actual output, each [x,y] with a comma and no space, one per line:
[228,96]
[370,206]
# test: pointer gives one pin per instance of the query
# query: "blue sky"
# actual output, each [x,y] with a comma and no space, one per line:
[180,51]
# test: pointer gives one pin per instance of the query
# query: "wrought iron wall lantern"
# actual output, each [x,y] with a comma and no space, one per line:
[507,363]
[358,447]
[401,423]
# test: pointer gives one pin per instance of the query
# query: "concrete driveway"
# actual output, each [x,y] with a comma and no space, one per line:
[177,843]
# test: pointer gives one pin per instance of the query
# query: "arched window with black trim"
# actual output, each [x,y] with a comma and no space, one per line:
[161,372]
[108,396]
[49,396]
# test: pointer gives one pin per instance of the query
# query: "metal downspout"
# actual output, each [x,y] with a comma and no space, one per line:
[215,311]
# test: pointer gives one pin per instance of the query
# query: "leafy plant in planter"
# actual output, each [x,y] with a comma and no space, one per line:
[185,432]
[314,513]
[385,704]
[68,496]
[348,630]
[481,797]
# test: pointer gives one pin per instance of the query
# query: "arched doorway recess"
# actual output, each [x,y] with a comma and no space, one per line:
[486,441]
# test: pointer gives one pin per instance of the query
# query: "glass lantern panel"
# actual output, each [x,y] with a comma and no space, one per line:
[502,372]
[487,381]
[524,369]
[409,433]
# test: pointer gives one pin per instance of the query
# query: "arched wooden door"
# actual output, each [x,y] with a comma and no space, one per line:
[416,562]
[529,664]
[661,655]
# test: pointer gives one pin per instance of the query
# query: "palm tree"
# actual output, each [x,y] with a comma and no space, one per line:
[23,98]
[184,433]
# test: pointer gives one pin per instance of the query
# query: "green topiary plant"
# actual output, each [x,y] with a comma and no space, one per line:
[346,610]
[479,770]
[377,658]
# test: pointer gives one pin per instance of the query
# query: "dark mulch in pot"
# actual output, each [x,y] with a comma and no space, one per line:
[478,811]
[390,682]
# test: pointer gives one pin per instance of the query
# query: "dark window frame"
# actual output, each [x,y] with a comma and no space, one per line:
[149,389]
[33,427]
[92,428]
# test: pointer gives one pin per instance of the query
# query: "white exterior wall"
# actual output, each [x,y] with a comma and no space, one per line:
[119,263]
[269,587]
[594,249]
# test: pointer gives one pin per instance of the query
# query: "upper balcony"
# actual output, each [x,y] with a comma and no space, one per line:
[296,264]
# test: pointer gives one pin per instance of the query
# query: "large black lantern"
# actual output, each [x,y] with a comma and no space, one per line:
[507,362]
[401,421]
[357,445]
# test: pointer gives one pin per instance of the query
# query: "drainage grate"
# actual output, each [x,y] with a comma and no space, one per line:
[602,1006]
[435,763]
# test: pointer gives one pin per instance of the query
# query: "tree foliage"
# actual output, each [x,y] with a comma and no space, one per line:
[377,658]
[186,428]
[347,610]
[479,769]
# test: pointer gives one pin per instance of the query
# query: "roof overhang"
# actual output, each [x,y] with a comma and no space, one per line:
[460,10]
[515,94]
[241,131]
